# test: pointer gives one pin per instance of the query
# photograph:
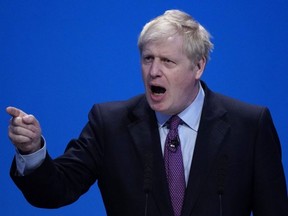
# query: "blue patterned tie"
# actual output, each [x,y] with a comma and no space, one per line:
[174,165]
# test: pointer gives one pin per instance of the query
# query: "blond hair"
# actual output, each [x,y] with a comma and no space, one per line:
[196,39]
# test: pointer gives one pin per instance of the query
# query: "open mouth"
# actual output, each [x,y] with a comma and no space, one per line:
[158,89]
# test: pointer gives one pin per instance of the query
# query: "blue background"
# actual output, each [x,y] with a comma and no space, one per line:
[58,57]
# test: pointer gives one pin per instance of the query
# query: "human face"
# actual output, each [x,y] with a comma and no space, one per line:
[170,78]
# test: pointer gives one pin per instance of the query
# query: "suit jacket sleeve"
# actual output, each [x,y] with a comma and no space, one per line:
[61,181]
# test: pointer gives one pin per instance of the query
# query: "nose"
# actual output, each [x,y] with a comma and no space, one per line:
[155,69]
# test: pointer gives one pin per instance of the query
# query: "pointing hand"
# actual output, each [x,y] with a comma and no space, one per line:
[24,131]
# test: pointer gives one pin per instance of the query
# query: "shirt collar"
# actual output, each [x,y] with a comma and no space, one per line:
[191,115]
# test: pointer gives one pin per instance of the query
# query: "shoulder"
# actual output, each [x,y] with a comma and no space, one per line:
[233,104]
[121,104]
[217,102]
[120,109]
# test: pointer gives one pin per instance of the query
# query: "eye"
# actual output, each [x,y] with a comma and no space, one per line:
[168,62]
[147,58]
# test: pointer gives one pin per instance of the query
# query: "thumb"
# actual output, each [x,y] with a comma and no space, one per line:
[15,112]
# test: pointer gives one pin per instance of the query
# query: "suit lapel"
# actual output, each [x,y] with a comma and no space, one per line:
[144,132]
[211,133]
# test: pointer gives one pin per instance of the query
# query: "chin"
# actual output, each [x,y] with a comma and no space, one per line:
[156,107]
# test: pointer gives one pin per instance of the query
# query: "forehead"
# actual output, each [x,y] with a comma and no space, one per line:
[170,45]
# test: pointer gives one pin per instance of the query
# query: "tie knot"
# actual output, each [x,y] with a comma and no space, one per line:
[174,122]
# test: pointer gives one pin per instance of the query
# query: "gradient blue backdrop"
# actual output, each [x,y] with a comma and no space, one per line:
[58,57]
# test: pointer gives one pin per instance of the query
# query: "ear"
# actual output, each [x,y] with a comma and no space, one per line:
[199,68]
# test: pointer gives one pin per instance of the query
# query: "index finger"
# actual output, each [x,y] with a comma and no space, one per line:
[15,112]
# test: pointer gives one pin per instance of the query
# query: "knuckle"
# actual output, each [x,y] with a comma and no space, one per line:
[16,121]
[16,130]
[31,116]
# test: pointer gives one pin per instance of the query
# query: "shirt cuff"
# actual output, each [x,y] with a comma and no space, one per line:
[28,163]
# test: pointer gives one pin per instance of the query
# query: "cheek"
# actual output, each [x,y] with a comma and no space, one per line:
[183,88]
[144,71]
[143,74]
[182,82]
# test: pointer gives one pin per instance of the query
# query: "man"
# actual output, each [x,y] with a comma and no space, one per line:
[227,153]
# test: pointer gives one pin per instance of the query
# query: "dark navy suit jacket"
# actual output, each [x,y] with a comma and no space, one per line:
[236,164]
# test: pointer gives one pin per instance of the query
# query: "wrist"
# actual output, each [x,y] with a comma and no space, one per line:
[35,149]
